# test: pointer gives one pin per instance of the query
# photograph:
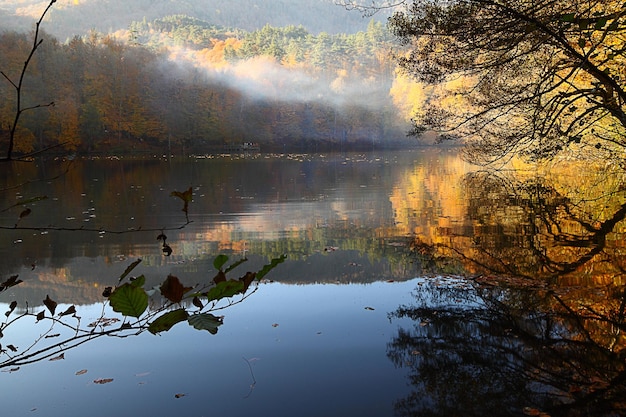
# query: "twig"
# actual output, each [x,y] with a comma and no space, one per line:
[252,375]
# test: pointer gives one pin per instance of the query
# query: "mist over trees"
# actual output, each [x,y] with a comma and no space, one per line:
[78,17]
[183,84]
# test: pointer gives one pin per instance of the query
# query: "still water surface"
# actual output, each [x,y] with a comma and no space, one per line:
[357,321]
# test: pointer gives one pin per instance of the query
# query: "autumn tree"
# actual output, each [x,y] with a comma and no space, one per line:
[531,77]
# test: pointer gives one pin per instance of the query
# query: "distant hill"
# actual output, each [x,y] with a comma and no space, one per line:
[77,17]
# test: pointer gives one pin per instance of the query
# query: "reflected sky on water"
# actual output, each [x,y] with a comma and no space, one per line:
[313,350]
[357,320]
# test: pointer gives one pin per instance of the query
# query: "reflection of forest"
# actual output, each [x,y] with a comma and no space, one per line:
[479,347]
[538,329]
[548,221]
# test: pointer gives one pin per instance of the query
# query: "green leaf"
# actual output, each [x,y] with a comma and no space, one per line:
[129,269]
[267,268]
[205,321]
[219,261]
[225,289]
[130,300]
[138,282]
[568,17]
[235,265]
[165,322]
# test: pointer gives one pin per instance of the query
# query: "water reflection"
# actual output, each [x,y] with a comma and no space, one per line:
[478,347]
[335,215]
[536,328]
[545,224]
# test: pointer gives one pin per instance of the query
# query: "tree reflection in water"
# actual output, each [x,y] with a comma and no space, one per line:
[483,349]
[538,329]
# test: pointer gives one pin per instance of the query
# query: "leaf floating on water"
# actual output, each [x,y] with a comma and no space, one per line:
[81,372]
[58,358]
[51,304]
[102,380]
[275,325]
[179,395]
[369,308]
[529,411]
[25,213]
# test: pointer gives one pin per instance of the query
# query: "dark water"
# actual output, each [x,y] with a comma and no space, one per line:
[367,315]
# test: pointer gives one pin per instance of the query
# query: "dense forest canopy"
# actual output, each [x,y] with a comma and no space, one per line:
[180,82]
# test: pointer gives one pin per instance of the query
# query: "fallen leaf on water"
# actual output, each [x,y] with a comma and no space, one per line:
[102,380]
[275,325]
[529,411]
[58,358]
[81,372]
[179,395]
[369,308]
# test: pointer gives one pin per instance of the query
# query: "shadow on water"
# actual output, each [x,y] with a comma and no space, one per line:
[538,328]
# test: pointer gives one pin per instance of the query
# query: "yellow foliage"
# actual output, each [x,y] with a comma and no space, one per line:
[408,95]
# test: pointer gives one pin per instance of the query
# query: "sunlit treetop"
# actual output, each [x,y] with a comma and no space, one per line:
[519,77]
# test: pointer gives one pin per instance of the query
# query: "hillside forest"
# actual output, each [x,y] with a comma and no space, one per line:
[182,84]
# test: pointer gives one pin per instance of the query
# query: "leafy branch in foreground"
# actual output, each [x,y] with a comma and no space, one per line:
[175,303]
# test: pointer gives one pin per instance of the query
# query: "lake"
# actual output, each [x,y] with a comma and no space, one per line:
[410,283]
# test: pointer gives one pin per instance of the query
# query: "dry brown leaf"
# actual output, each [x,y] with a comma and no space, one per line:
[81,372]
[102,380]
